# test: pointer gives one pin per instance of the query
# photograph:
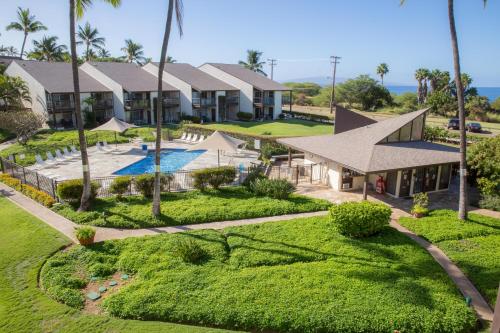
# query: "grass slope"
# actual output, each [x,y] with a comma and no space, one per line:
[277,128]
[25,243]
[231,203]
[49,140]
[293,276]
[474,245]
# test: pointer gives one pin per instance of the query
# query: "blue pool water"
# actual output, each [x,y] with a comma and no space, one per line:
[171,160]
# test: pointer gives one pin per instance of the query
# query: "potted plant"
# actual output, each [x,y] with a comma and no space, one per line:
[420,203]
[85,235]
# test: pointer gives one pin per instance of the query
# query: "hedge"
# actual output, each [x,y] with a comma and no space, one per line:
[360,219]
[35,194]
[145,183]
[72,190]
[309,116]
[120,185]
[215,177]
[245,116]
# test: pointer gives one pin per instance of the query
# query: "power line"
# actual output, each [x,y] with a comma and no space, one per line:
[272,63]
[334,60]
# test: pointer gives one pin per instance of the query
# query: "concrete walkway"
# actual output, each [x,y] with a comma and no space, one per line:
[68,227]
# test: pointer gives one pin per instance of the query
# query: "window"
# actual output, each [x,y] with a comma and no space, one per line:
[444,178]
[405,132]
[391,181]
[417,127]
[394,137]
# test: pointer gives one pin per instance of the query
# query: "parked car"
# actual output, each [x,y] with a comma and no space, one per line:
[473,127]
[453,124]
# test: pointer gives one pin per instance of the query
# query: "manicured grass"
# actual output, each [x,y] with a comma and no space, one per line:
[474,245]
[277,128]
[25,244]
[49,140]
[231,203]
[291,276]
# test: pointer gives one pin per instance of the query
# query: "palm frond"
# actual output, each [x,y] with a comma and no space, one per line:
[179,15]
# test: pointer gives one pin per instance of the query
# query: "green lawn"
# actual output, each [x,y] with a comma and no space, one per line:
[231,203]
[293,276]
[277,128]
[49,140]
[474,245]
[25,244]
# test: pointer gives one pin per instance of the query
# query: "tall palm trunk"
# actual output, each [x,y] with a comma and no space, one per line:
[462,202]
[85,200]
[87,52]
[24,44]
[159,108]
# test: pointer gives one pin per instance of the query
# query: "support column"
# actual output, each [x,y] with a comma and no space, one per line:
[365,187]
[289,157]
[291,100]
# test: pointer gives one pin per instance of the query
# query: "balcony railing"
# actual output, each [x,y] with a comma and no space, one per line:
[268,100]
[137,104]
[60,105]
[257,100]
[170,101]
[232,99]
[203,102]
[103,104]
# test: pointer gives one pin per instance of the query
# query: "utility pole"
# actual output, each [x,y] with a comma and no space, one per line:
[334,60]
[272,63]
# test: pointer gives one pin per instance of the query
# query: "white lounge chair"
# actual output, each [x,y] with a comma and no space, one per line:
[40,163]
[68,154]
[194,139]
[202,138]
[188,137]
[100,147]
[74,151]
[60,156]
[51,159]
[183,137]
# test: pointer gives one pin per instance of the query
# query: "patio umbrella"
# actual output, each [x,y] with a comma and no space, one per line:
[116,125]
[220,142]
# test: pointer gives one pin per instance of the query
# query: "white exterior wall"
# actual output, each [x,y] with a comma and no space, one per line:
[246,89]
[186,98]
[37,91]
[118,99]
[277,104]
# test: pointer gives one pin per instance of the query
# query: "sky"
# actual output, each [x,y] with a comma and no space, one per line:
[300,34]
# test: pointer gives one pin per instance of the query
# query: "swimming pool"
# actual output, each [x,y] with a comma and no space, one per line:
[171,160]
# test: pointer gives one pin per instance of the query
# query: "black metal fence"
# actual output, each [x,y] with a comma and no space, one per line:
[310,173]
[29,177]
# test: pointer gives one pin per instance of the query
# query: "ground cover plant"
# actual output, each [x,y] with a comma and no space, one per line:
[230,203]
[50,140]
[5,135]
[25,244]
[474,245]
[294,276]
[278,128]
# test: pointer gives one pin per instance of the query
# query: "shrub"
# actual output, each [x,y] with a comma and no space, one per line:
[71,190]
[421,199]
[28,190]
[419,211]
[101,269]
[273,188]
[193,119]
[120,185]
[490,202]
[252,176]
[11,181]
[244,116]
[215,177]
[145,183]
[189,251]
[360,219]
[85,235]
[488,187]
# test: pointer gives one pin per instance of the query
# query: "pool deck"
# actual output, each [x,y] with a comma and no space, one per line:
[104,163]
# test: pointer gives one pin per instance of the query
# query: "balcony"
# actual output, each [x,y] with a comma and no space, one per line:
[203,102]
[269,101]
[137,104]
[232,99]
[170,101]
[103,104]
[61,105]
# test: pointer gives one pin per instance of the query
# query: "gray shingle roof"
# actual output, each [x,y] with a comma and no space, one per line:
[346,120]
[57,77]
[131,76]
[360,149]
[198,79]
[257,80]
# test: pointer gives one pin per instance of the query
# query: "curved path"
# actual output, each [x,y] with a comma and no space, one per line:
[68,227]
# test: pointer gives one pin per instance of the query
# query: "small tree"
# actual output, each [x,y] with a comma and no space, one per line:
[23,123]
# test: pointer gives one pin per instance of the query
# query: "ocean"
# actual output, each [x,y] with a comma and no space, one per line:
[491,92]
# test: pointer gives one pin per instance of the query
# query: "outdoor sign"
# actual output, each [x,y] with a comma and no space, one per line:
[256,144]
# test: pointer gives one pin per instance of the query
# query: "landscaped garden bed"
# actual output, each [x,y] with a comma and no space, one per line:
[229,203]
[295,276]
[474,245]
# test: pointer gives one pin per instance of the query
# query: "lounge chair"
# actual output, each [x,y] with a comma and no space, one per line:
[188,137]
[194,139]
[202,138]
[60,156]
[40,163]
[68,154]
[183,137]
[106,146]
[100,147]
[51,159]
[74,151]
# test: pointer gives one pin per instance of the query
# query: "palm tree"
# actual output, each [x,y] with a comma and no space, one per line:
[47,49]
[13,91]
[77,9]
[10,51]
[421,75]
[90,37]
[462,201]
[170,60]
[133,52]
[26,23]
[103,53]
[253,62]
[382,70]
[178,7]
